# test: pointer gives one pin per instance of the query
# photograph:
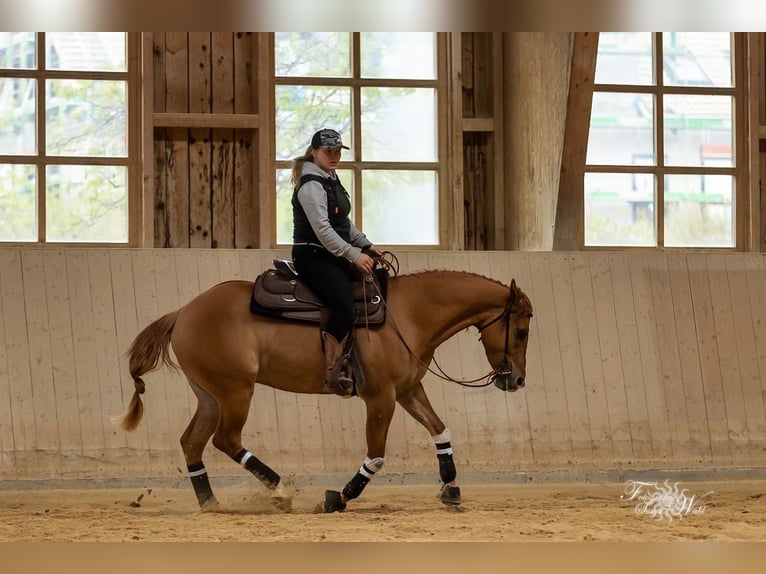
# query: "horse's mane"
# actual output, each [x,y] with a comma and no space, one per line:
[415,274]
[523,304]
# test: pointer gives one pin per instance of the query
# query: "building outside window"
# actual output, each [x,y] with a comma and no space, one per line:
[661,168]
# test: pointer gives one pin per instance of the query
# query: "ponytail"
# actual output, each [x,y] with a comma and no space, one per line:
[298,162]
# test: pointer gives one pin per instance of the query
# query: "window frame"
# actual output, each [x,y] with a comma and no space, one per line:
[740,171]
[41,160]
[441,166]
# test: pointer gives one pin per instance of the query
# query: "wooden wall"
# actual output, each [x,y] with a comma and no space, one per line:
[518,144]
[208,93]
[203,85]
[481,95]
[636,360]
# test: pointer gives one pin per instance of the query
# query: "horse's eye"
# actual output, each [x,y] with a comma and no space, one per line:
[521,334]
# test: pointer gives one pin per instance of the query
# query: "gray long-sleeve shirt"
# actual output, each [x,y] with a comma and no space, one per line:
[313,200]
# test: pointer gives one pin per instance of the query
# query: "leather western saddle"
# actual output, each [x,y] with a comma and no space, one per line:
[280,293]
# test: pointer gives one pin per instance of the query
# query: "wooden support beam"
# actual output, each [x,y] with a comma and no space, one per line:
[265,175]
[498,205]
[569,207]
[145,235]
[455,223]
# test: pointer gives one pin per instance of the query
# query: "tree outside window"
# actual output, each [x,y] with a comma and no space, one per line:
[380,91]
[64,145]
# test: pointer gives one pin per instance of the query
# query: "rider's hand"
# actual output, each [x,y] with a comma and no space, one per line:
[373,251]
[364,262]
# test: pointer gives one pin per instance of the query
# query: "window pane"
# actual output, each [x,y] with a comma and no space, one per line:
[86,203]
[17,50]
[285,206]
[619,209]
[697,59]
[698,211]
[625,58]
[18,204]
[406,55]
[399,124]
[92,51]
[86,118]
[318,54]
[400,207]
[621,130]
[18,134]
[302,110]
[698,130]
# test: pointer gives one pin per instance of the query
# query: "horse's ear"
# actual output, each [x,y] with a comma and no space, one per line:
[518,300]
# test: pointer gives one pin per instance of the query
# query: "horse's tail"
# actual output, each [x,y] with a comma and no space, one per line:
[150,347]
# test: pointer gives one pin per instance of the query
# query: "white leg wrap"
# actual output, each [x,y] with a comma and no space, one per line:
[371,466]
[444,440]
[246,456]
[445,436]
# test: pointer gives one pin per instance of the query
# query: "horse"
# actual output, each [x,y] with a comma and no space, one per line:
[224,350]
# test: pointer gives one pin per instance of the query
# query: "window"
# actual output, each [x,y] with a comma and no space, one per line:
[64,137]
[381,92]
[661,167]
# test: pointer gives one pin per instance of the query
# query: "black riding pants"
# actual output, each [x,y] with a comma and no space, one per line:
[330,278]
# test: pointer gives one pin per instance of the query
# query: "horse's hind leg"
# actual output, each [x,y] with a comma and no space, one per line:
[416,403]
[195,439]
[228,439]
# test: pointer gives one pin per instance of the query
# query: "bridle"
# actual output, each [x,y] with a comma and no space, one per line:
[505,368]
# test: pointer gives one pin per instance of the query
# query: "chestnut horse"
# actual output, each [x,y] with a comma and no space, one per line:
[224,350]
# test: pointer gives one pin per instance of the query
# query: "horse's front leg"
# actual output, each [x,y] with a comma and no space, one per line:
[416,403]
[380,410]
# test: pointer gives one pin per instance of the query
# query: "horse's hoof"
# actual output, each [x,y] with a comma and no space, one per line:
[282,496]
[333,502]
[450,494]
[210,505]
[282,503]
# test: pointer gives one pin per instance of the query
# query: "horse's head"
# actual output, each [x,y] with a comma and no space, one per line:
[505,341]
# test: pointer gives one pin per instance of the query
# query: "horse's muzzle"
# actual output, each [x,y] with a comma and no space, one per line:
[508,381]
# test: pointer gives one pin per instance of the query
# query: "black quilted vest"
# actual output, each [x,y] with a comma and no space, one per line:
[338,208]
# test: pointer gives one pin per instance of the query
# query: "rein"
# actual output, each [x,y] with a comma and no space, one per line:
[473,383]
[503,315]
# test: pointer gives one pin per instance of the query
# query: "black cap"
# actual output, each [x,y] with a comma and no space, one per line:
[327,139]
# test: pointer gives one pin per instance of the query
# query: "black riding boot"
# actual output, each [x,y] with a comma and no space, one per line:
[337,377]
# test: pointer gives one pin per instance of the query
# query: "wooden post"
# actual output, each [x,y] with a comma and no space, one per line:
[265,163]
[142,215]
[222,175]
[454,237]
[756,239]
[177,150]
[497,241]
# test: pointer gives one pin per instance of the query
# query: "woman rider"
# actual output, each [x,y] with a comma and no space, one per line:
[328,250]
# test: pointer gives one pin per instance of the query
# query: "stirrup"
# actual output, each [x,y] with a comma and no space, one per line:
[343,387]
